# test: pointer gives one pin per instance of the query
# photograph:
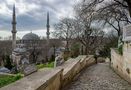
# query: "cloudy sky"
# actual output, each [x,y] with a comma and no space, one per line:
[31,15]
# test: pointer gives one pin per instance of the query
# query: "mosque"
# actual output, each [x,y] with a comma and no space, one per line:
[30,49]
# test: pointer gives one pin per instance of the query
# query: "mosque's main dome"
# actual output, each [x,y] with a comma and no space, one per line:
[30,36]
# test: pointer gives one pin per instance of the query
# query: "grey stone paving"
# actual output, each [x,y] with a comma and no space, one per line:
[98,77]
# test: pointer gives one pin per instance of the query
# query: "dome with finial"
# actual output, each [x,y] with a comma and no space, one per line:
[31,36]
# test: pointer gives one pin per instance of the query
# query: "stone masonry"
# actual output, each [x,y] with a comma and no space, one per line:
[98,77]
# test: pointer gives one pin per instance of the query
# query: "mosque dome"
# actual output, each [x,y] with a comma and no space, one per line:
[31,36]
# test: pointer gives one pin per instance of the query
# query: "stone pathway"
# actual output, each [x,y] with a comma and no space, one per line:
[98,77]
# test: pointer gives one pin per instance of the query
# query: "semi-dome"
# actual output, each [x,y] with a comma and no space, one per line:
[30,36]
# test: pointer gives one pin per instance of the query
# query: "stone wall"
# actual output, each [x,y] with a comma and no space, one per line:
[73,66]
[52,79]
[121,64]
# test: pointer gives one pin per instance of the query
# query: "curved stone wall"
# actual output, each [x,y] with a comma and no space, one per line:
[52,79]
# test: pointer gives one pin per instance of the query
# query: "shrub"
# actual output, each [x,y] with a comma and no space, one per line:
[66,55]
[120,49]
[105,52]
[52,58]
[49,65]
[8,62]
[75,50]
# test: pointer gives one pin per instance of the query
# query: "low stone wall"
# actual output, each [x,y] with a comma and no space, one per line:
[73,66]
[52,79]
[45,79]
[121,64]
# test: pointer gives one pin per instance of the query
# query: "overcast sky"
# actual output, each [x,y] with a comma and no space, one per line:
[31,15]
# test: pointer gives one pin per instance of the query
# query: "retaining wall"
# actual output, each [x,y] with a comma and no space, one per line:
[121,64]
[52,79]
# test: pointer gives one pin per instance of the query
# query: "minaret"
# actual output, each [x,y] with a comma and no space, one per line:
[48,28]
[13,29]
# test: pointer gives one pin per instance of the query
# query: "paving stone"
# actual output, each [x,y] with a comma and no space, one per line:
[98,77]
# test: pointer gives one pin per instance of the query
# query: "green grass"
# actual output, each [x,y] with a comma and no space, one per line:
[6,79]
[49,65]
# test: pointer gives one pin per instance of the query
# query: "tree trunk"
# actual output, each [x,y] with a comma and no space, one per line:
[119,33]
[67,45]
[82,51]
[86,50]
[129,6]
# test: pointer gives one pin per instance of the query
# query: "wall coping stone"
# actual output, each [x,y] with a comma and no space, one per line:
[43,78]
[33,81]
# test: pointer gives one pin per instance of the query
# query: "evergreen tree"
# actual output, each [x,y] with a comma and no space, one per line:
[8,62]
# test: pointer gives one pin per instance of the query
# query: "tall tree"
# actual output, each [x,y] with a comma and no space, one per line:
[88,34]
[65,30]
[112,13]
[89,37]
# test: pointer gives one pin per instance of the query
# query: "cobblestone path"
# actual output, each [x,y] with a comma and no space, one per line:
[98,77]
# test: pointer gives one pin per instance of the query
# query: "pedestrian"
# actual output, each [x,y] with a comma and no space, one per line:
[96,56]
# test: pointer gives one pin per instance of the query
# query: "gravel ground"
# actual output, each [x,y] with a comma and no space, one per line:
[98,77]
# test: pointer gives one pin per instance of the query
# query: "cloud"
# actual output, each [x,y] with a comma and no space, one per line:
[31,14]
[4,10]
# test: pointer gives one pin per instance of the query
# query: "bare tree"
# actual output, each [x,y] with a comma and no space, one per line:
[88,34]
[125,4]
[65,30]
[112,13]
[5,50]
[90,38]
